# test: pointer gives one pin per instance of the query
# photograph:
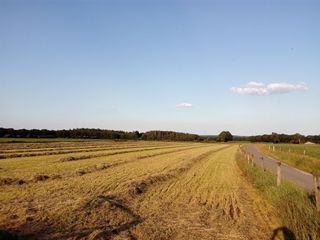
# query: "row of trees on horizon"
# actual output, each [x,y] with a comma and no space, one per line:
[93,133]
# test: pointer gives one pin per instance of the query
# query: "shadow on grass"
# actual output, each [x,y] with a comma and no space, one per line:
[286,232]
[103,232]
[6,235]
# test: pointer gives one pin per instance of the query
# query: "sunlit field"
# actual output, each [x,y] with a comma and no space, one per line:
[129,190]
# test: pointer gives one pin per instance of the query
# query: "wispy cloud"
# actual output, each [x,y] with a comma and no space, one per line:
[184,105]
[261,89]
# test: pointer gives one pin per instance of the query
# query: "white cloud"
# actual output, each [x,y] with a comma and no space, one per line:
[261,89]
[184,105]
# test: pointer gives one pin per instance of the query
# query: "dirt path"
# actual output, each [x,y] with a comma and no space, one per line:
[210,201]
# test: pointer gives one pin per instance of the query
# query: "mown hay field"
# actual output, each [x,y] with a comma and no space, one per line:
[303,156]
[129,190]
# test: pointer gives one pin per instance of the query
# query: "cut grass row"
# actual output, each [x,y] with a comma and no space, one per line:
[17,146]
[82,149]
[43,147]
[45,140]
[140,186]
[27,168]
[136,192]
[88,169]
[210,201]
[23,150]
[8,146]
[293,154]
[34,154]
[60,202]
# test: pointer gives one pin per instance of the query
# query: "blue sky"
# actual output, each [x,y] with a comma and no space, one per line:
[250,67]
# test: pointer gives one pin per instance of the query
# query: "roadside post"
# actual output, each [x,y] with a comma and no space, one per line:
[262,164]
[278,173]
[252,160]
[316,180]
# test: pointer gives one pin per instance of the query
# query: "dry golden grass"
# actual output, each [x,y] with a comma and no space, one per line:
[162,191]
[210,201]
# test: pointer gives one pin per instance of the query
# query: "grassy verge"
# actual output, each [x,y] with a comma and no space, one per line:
[304,157]
[295,207]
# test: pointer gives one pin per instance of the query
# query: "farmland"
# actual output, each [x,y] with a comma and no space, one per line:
[129,190]
[301,156]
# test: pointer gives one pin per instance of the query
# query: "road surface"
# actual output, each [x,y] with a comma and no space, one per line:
[291,174]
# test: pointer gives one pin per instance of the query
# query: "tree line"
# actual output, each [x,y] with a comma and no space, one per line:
[169,135]
[283,138]
[93,133]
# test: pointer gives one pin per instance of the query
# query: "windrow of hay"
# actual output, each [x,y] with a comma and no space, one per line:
[28,154]
[75,158]
[82,144]
[103,166]
[11,181]
[90,169]
[112,145]
[210,200]
[36,178]
[139,187]
[58,213]
[13,151]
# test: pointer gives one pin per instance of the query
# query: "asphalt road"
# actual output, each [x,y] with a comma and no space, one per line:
[291,174]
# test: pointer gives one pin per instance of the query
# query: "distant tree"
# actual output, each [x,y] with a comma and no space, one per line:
[169,136]
[297,138]
[225,136]
[313,138]
[275,137]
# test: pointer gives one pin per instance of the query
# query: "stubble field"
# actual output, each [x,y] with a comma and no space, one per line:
[129,190]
